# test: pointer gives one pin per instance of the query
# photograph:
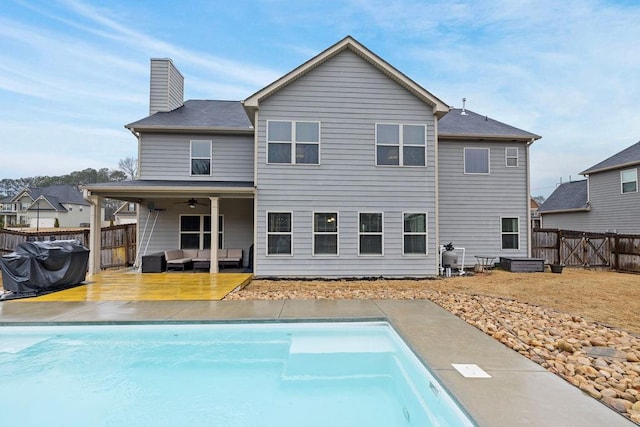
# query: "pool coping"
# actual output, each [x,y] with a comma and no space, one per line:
[519,392]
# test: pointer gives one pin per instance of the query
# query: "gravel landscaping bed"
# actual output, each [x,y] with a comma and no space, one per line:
[601,360]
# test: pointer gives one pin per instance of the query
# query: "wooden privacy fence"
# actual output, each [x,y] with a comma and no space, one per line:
[118,242]
[586,249]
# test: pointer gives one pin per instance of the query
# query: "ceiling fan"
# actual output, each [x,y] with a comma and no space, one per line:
[192,203]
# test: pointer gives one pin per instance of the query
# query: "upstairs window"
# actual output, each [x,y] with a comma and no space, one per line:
[200,157]
[510,233]
[325,233]
[400,145]
[293,142]
[476,161]
[511,157]
[370,234]
[414,234]
[629,181]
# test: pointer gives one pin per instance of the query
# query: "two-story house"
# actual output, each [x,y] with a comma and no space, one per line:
[343,167]
[40,207]
[606,201]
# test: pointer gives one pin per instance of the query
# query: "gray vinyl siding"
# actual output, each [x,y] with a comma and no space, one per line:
[238,224]
[167,156]
[567,221]
[166,87]
[611,211]
[471,206]
[348,97]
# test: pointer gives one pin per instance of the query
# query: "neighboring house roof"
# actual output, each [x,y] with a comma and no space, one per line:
[473,125]
[55,195]
[628,157]
[439,107]
[204,115]
[568,197]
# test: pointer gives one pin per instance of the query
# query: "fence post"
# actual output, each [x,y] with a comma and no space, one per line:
[616,245]
[559,246]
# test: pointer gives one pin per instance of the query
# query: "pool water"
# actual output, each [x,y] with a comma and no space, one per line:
[290,374]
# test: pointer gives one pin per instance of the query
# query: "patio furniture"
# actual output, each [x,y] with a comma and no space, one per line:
[230,256]
[180,259]
[485,262]
[154,263]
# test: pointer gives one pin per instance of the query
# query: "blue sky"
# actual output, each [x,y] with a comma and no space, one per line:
[74,72]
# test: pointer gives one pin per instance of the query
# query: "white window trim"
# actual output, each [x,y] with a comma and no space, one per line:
[400,145]
[191,157]
[507,157]
[200,232]
[426,234]
[293,142]
[290,233]
[360,233]
[464,159]
[635,170]
[509,232]
[315,233]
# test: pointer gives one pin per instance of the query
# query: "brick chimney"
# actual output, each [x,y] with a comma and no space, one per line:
[167,86]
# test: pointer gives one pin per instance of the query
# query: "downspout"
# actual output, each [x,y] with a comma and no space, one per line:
[528,197]
[255,191]
[436,169]
[139,139]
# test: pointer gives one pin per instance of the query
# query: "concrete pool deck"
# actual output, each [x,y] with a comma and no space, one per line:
[519,392]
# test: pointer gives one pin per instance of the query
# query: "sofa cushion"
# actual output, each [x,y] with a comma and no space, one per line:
[234,255]
[173,255]
[203,255]
[189,253]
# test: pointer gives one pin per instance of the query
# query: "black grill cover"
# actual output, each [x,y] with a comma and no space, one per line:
[38,267]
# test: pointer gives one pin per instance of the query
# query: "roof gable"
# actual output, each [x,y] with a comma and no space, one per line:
[461,123]
[570,196]
[251,104]
[628,157]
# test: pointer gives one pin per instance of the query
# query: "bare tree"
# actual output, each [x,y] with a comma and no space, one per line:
[129,166]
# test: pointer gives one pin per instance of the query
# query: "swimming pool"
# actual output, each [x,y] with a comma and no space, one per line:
[276,374]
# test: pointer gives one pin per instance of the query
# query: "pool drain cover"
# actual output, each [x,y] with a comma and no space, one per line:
[470,370]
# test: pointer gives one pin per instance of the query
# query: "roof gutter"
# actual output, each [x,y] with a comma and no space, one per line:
[506,138]
[587,209]
[619,166]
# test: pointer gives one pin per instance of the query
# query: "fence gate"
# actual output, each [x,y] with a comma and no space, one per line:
[585,249]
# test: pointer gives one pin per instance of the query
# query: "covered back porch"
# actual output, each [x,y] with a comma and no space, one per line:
[173,215]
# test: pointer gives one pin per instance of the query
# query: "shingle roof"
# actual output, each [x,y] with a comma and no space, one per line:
[627,157]
[199,114]
[568,196]
[57,195]
[456,124]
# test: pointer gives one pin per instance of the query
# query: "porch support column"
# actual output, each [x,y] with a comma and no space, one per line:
[214,234]
[94,234]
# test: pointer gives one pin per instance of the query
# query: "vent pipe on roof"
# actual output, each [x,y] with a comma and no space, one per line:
[464,102]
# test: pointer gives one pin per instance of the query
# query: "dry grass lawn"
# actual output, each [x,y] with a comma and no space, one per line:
[603,296]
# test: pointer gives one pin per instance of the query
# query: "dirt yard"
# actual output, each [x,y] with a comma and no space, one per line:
[602,296]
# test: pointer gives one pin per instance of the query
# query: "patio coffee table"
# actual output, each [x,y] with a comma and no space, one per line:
[201,265]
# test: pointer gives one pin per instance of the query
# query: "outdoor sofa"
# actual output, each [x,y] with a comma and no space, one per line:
[185,259]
